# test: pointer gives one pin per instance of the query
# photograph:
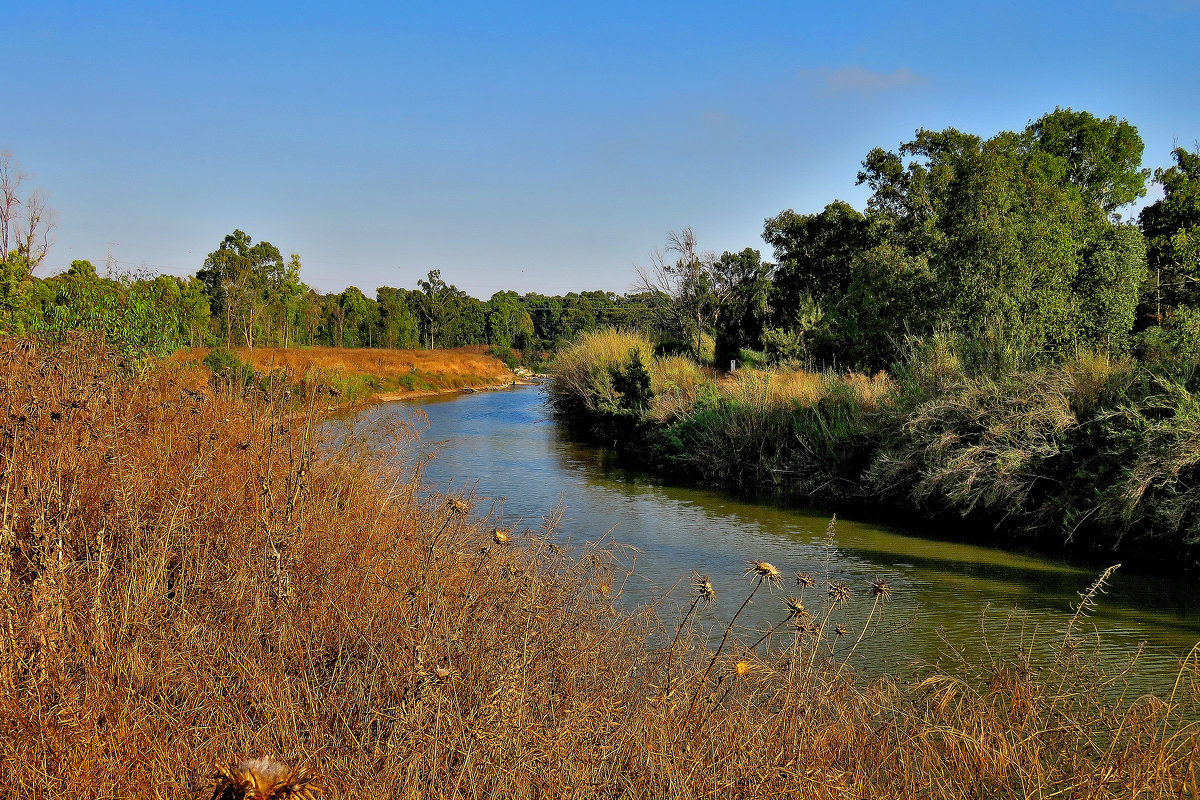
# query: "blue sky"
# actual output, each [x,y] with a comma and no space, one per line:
[531,146]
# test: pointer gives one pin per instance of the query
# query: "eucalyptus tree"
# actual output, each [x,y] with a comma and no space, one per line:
[239,277]
[398,323]
[433,310]
[1172,229]
[506,319]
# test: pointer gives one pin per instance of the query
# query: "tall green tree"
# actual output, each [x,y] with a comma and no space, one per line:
[995,233]
[283,294]
[1172,229]
[1108,288]
[816,258]
[238,278]
[506,319]
[399,326]
[434,305]
[1102,157]
[743,316]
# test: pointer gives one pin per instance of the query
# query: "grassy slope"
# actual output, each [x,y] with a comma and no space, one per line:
[377,373]
[183,577]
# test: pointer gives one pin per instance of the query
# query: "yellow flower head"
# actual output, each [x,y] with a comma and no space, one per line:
[765,570]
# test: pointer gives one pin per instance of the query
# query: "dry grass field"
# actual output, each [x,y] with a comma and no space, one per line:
[188,578]
[376,373]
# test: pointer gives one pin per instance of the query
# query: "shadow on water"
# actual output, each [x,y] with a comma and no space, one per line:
[502,448]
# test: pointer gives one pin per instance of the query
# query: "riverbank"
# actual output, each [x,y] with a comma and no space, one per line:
[351,376]
[1098,458]
[185,579]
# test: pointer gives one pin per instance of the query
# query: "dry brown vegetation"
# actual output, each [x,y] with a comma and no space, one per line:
[385,374]
[185,579]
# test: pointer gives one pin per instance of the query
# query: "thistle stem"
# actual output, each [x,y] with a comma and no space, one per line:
[716,655]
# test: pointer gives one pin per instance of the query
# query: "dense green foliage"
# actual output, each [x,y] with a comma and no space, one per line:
[1042,352]
[1094,454]
[138,316]
[1008,238]
[1014,240]
[1042,355]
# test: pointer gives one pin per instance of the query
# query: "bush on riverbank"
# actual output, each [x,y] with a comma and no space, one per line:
[1097,454]
[185,577]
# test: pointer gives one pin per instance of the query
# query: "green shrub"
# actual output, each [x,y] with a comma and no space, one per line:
[124,311]
[228,369]
[751,359]
[582,376]
[631,382]
[510,357]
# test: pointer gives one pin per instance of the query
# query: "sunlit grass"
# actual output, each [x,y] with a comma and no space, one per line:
[186,578]
[357,373]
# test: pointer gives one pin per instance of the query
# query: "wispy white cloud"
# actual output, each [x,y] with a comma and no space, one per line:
[861,80]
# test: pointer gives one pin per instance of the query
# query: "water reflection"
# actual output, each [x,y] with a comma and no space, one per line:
[502,448]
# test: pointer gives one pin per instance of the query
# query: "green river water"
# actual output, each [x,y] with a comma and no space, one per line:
[503,449]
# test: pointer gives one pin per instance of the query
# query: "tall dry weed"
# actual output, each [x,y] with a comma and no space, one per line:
[676,382]
[189,578]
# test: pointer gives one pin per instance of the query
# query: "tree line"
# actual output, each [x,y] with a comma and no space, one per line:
[1014,242]
[257,298]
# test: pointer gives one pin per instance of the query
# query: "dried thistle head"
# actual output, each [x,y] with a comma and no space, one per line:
[805,580]
[795,607]
[839,593]
[458,507]
[840,630]
[881,591]
[263,779]
[704,589]
[500,535]
[764,570]
[742,669]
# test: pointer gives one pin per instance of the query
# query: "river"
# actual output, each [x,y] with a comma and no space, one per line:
[503,449]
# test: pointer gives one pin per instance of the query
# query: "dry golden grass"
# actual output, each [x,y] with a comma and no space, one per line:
[676,382]
[787,388]
[185,580]
[581,372]
[392,373]
[1090,374]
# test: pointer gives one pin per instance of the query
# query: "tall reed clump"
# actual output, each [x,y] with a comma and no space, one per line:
[1096,453]
[981,445]
[806,431]
[582,374]
[1133,476]
[676,382]
[188,579]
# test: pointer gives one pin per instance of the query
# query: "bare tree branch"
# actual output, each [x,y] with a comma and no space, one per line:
[37,229]
[11,178]
[684,286]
